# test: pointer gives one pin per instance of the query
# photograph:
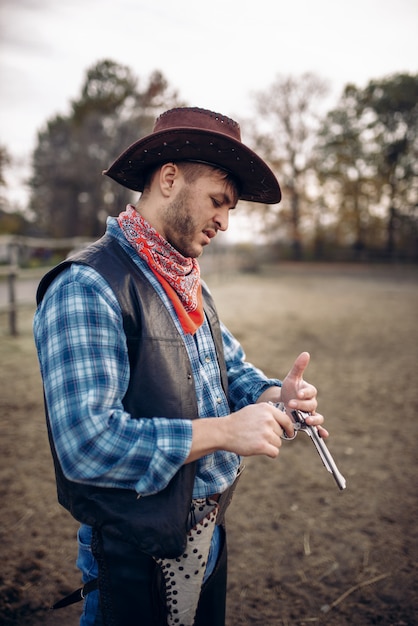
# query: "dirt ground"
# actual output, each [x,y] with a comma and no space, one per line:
[301,551]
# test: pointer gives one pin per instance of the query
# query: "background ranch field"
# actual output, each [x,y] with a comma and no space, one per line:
[301,551]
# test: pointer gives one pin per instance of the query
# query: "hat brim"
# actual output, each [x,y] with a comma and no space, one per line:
[256,180]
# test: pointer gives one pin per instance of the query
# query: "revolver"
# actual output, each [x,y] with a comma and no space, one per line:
[299,423]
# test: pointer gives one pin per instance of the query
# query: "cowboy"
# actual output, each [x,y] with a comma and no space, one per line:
[150,403]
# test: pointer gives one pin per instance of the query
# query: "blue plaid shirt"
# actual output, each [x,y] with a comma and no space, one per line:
[85,368]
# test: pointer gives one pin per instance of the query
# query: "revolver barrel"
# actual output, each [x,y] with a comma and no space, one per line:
[321,448]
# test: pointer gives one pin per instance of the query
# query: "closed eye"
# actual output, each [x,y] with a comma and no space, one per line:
[225,200]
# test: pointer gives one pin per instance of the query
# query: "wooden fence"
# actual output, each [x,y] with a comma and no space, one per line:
[15,251]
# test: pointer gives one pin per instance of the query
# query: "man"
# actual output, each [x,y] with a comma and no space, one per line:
[150,402]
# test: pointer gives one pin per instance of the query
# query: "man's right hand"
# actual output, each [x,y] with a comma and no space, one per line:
[254,430]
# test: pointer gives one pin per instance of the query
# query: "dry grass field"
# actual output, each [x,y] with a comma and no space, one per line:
[301,551]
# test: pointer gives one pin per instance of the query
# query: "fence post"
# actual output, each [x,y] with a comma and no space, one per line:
[11,280]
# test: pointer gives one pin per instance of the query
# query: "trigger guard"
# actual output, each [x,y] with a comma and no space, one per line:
[286,437]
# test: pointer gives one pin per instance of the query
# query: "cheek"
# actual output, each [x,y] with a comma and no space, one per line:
[185,223]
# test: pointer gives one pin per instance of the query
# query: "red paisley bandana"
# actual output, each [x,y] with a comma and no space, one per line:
[179,275]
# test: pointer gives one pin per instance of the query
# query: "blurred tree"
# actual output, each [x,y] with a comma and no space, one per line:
[367,164]
[288,119]
[12,223]
[344,171]
[393,103]
[5,161]
[69,195]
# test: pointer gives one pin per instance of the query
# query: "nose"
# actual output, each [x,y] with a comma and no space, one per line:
[221,218]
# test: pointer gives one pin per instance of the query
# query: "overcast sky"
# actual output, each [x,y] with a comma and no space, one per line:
[216,53]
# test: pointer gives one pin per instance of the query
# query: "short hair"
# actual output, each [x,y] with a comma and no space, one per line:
[192,171]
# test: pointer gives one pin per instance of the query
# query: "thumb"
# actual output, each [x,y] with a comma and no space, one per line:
[299,366]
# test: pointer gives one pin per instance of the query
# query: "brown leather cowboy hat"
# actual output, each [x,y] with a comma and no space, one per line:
[194,134]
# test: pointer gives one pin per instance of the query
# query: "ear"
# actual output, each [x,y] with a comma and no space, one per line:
[169,174]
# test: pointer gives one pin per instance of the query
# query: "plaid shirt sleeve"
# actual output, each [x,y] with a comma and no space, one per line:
[84,364]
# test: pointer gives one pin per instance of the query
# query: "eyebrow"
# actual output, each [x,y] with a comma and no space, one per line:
[226,198]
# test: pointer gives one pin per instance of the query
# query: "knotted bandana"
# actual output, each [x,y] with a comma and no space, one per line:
[178,275]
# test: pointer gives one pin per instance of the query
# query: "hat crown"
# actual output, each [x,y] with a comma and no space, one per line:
[198,119]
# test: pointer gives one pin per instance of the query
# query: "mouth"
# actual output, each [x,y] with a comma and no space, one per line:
[209,234]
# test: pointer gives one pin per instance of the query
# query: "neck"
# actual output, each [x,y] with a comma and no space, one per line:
[150,214]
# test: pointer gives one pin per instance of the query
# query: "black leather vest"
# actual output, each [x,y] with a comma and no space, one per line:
[161,384]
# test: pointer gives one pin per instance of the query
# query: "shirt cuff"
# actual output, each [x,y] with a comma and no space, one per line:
[173,445]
